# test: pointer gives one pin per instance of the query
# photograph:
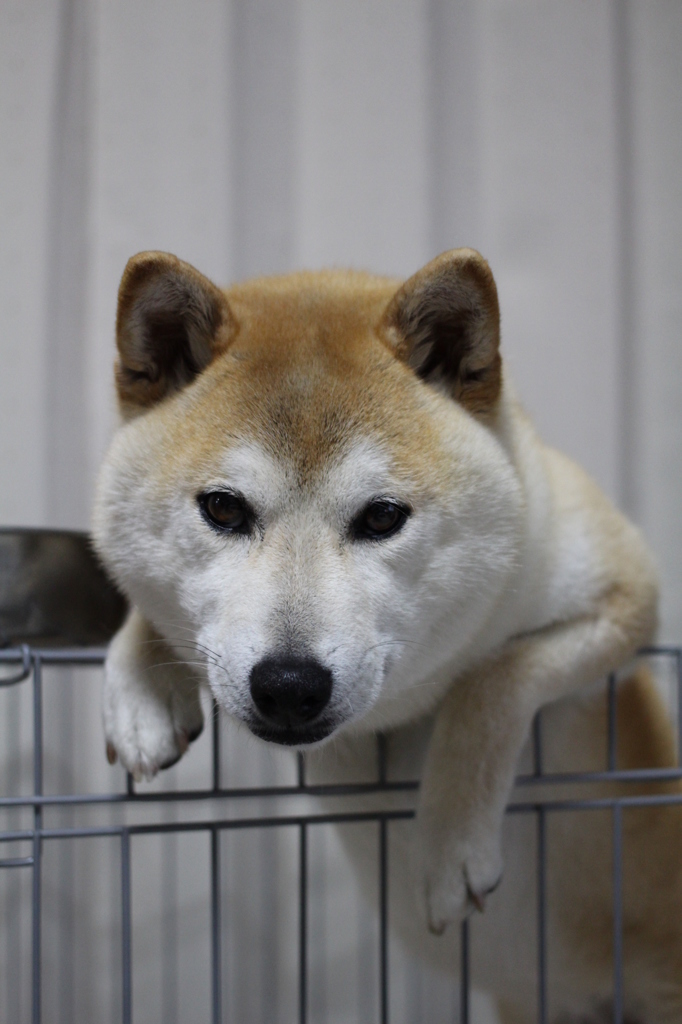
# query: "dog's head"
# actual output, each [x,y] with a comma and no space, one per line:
[309,494]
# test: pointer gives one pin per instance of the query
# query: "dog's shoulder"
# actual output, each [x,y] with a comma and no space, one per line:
[577,546]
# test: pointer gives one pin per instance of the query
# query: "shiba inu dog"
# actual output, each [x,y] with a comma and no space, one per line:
[325,491]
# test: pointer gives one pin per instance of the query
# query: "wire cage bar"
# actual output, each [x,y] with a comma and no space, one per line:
[24,667]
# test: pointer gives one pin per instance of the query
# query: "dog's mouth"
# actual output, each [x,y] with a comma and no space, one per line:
[299,736]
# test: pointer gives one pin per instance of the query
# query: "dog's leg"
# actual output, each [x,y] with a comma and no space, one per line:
[151,705]
[478,735]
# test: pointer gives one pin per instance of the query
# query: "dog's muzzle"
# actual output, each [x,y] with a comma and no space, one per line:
[290,695]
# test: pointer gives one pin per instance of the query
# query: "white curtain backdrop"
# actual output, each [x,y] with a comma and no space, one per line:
[258,136]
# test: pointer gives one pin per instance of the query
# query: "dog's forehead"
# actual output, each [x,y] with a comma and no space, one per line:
[287,308]
[309,383]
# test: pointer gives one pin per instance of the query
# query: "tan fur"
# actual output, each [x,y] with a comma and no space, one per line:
[281,344]
[307,362]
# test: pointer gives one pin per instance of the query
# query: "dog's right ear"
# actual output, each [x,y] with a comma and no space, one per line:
[444,322]
[171,323]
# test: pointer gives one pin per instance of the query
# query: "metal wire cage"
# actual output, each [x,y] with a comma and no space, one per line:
[216,810]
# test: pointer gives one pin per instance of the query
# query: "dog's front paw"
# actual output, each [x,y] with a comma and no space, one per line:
[151,707]
[456,874]
[148,729]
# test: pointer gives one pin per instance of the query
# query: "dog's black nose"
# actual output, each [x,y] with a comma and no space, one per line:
[290,692]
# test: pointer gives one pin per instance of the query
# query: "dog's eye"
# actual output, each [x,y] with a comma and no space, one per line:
[380,518]
[226,511]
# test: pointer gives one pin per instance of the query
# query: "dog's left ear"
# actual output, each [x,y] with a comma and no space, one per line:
[445,323]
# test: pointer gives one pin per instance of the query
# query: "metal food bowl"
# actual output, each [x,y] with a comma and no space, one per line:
[54,592]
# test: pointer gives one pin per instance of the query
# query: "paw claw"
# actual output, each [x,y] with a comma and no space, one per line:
[477,898]
[182,741]
[195,733]
[112,756]
[171,761]
[437,927]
